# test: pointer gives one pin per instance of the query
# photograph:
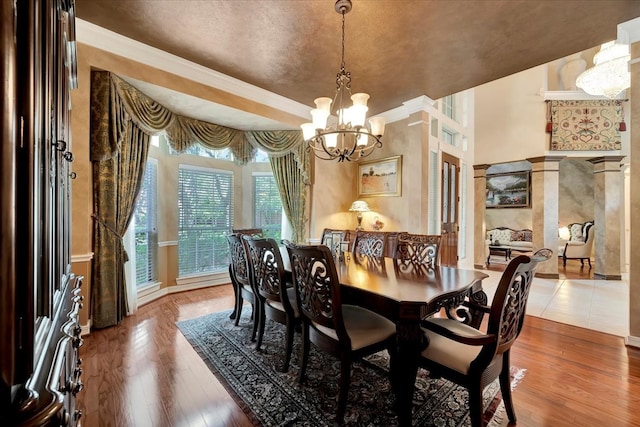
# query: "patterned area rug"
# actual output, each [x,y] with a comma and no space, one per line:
[272,398]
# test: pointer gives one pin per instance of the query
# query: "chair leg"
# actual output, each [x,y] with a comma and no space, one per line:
[255,316]
[234,284]
[475,404]
[305,352]
[261,319]
[291,323]
[582,262]
[564,260]
[505,387]
[589,261]
[238,310]
[345,379]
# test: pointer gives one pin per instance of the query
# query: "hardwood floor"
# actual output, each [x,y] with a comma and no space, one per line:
[573,269]
[144,373]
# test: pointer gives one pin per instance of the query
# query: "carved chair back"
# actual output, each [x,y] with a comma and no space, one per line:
[254,232]
[510,300]
[332,239]
[266,268]
[239,264]
[418,249]
[369,243]
[317,288]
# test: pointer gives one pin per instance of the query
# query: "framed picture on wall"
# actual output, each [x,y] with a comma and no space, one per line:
[381,177]
[508,190]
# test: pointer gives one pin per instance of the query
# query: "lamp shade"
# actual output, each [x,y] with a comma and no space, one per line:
[359,206]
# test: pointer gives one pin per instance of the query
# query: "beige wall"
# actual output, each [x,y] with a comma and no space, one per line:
[510,118]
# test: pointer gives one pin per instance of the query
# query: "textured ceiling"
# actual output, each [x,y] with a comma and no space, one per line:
[396,50]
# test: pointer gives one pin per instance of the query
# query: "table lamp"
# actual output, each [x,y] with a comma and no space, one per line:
[359,206]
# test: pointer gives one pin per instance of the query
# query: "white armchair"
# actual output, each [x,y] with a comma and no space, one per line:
[580,244]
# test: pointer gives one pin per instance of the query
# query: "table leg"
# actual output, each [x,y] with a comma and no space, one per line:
[411,342]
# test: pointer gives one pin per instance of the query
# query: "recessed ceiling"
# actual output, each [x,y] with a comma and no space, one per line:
[396,50]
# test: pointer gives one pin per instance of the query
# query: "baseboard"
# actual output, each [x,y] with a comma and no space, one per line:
[632,341]
[548,275]
[86,329]
[152,296]
[607,276]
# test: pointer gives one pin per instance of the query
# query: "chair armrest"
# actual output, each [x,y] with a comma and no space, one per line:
[477,340]
[475,306]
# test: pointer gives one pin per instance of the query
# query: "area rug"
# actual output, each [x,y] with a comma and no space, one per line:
[273,398]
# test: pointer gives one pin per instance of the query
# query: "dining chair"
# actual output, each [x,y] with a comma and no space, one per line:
[239,273]
[370,243]
[276,301]
[257,232]
[473,358]
[347,331]
[333,240]
[418,248]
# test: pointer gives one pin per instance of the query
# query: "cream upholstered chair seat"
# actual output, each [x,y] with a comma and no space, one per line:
[448,352]
[363,326]
[292,298]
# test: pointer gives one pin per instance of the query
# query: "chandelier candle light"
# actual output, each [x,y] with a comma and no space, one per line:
[348,138]
[359,206]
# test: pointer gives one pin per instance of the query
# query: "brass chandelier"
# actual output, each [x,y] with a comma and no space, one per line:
[347,138]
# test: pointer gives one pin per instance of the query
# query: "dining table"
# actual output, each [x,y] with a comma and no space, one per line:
[406,293]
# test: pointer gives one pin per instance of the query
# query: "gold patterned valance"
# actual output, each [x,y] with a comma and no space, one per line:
[586,125]
[118,99]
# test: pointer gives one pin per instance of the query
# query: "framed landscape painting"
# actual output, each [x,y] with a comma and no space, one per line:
[381,177]
[508,190]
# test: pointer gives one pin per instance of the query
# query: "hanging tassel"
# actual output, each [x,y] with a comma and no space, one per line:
[623,126]
[549,122]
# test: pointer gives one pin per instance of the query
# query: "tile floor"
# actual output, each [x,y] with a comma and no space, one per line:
[601,305]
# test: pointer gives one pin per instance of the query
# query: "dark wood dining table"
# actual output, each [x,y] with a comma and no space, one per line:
[406,293]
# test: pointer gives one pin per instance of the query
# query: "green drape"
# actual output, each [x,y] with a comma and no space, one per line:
[122,119]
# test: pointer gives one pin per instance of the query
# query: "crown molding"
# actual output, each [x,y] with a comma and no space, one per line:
[421,103]
[115,43]
[576,95]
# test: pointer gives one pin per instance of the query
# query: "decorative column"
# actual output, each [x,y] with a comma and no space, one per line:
[479,211]
[608,214]
[545,179]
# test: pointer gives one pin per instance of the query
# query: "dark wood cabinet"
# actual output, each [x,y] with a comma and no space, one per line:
[41,371]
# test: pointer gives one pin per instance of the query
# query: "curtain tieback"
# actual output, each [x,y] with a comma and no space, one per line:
[115,233]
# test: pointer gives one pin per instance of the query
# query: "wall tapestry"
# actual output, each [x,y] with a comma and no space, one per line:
[586,125]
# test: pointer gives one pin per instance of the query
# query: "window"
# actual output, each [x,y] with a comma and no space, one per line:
[449,107]
[205,217]
[449,137]
[267,206]
[202,151]
[146,227]
[261,157]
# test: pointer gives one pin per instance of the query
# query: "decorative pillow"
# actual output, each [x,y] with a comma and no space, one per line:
[517,236]
[527,235]
[586,230]
[576,232]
